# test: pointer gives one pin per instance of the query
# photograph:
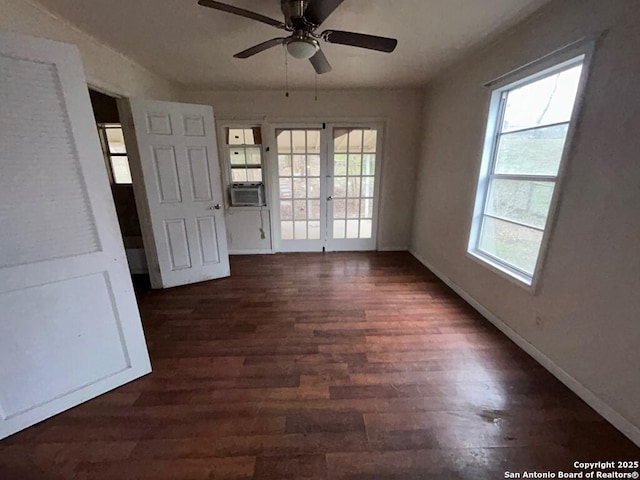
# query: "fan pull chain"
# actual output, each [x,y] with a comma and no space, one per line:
[286,72]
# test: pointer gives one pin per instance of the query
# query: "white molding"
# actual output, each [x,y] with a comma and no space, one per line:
[393,248]
[608,413]
[251,252]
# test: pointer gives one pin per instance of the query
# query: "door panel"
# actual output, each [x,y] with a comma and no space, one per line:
[176,177]
[70,328]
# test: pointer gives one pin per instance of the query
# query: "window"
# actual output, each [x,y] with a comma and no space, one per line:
[116,152]
[525,140]
[244,148]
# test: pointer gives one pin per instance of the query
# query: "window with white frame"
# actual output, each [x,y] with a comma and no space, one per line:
[244,152]
[115,152]
[526,135]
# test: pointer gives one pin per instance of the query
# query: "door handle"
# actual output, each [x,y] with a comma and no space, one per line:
[214,207]
[330,197]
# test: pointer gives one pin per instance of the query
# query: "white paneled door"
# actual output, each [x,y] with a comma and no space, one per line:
[328,184]
[176,178]
[69,324]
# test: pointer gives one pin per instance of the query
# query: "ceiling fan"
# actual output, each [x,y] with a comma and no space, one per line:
[302,18]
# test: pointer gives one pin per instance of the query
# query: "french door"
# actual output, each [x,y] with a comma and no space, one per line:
[327,188]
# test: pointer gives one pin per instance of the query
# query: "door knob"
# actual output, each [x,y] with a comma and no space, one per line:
[214,207]
[330,197]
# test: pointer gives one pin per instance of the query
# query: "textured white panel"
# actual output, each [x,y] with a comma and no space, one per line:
[47,340]
[199,173]
[159,124]
[208,240]
[176,231]
[164,161]
[44,209]
[193,125]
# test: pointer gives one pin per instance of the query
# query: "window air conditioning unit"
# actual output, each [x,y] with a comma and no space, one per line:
[247,194]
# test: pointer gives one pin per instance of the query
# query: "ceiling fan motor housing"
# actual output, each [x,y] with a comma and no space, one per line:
[293,11]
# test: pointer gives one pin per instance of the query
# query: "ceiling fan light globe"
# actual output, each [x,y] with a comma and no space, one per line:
[302,49]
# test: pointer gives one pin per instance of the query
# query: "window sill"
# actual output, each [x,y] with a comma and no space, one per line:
[238,208]
[511,275]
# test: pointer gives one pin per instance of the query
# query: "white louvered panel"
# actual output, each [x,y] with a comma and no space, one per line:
[44,208]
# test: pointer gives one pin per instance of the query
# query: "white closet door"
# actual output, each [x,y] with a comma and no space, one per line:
[176,177]
[69,324]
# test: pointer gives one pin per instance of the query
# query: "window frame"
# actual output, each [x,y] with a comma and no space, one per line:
[227,168]
[108,154]
[558,61]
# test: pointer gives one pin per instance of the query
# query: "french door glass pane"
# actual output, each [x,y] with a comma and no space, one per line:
[353,183]
[299,182]
[522,201]
[513,244]
[543,102]
[532,152]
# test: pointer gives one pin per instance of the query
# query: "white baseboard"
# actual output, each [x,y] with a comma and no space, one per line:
[251,252]
[613,417]
[392,248]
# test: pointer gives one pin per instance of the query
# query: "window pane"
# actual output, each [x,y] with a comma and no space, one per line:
[355,141]
[544,102]
[120,169]
[313,165]
[352,228]
[299,168]
[286,210]
[369,165]
[300,210]
[340,187]
[370,140]
[355,164]
[253,156]
[366,227]
[237,156]
[299,142]
[368,186]
[249,137]
[314,230]
[519,200]
[339,229]
[532,152]
[239,175]
[254,174]
[340,141]
[300,230]
[353,208]
[313,188]
[285,188]
[284,141]
[313,209]
[340,165]
[235,136]
[353,187]
[284,165]
[313,141]
[339,209]
[286,230]
[115,140]
[514,244]
[366,208]
[299,188]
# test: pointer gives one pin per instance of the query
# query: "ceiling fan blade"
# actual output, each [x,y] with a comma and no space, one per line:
[261,47]
[223,7]
[319,10]
[320,63]
[372,42]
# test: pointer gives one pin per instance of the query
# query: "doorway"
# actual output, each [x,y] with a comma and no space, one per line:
[327,187]
[105,110]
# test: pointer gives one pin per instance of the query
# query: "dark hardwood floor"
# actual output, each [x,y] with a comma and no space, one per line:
[320,366]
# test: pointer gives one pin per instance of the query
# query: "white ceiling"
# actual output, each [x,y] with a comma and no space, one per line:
[194,45]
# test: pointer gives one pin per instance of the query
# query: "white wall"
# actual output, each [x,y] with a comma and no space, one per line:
[106,69]
[401,111]
[586,315]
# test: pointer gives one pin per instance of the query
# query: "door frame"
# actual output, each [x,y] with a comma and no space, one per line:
[324,124]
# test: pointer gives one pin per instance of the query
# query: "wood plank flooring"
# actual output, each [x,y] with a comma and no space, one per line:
[320,366]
